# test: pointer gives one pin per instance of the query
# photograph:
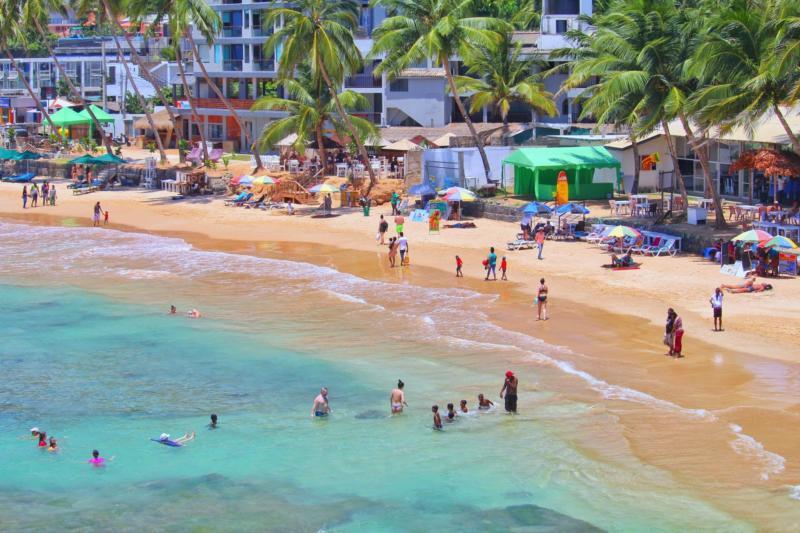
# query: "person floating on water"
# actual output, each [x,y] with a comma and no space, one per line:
[510,390]
[321,406]
[437,419]
[484,403]
[398,398]
[451,413]
[177,443]
[213,424]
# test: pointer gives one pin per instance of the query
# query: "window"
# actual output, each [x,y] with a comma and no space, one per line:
[399,85]
[565,107]
[563,7]
[112,76]
[561,27]
[215,131]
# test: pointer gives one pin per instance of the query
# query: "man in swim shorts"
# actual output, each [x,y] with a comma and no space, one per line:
[321,406]
[398,398]
[437,419]
[510,390]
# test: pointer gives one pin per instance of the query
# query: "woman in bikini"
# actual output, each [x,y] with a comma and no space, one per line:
[541,300]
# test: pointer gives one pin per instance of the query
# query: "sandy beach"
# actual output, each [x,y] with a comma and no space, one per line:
[610,323]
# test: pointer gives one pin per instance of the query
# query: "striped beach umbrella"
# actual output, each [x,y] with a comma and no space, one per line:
[753,235]
[623,231]
[780,242]
[323,188]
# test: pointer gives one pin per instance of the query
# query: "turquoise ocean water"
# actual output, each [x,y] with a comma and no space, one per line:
[89,354]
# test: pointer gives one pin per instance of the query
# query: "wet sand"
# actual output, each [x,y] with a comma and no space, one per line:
[703,395]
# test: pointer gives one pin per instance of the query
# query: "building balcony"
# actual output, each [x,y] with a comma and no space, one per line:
[363,81]
[374,117]
[235,65]
[262,32]
[232,31]
[215,103]
[264,65]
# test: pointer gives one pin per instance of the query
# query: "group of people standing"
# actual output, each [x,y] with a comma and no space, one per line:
[397,244]
[47,194]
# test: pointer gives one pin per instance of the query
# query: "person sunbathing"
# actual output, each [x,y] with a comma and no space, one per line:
[624,261]
[756,287]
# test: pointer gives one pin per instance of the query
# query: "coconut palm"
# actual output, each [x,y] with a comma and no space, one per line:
[787,58]
[319,33]
[10,29]
[33,12]
[736,66]
[502,77]
[310,108]
[440,30]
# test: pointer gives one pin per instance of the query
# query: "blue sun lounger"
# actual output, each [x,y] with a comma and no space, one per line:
[20,178]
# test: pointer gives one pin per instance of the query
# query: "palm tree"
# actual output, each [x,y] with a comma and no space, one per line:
[10,28]
[319,33]
[502,77]
[310,108]
[787,58]
[33,11]
[735,63]
[434,29]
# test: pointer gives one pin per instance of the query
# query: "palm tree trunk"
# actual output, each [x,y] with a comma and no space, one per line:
[321,150]
[506,129]
[161,152]
[637,164]
[676,169]
[72,88]
[31,92]
[346,118]
[148,76]
[452,82]
[789,132]
[247,137]
[702,153]
[187,90]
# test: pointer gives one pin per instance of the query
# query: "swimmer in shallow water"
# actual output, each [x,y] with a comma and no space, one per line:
[437,419]
[194,313]
[213,424]
[451,413]
[398,398]
[42,440]
[463,406]
[173,310]
[53,445]
[180,441]
[484,403]
[321,407]
[35,432]
[96,460]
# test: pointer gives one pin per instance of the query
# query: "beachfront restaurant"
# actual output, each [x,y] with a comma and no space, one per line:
[591,172]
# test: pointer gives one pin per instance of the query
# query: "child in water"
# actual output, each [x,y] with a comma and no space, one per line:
[484,403]
[53,445]
[464,408]
[459,264]
[451,413]
[437,420]
[213,424]
[42,439]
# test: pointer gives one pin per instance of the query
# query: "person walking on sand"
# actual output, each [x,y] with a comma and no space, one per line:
[541,300]
[321,407]
[716,306]
[398,398]
[459,264]
[540,241]
[668,329]
[392,251]
[394,201]
[402,247]
[52,195]
[491,264]
[510,389]
[677,334]
[25,197]
[503,268]
[383,227]
[96,214]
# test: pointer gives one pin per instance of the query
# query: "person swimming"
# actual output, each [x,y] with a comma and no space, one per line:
[484,403]
[96,460]
[179,442]
[35,432]
[321,407]
[451,413]
[213,424]
[194,313]
[173,310]
[398,398]
[463,406]
[42,440]
[53,445]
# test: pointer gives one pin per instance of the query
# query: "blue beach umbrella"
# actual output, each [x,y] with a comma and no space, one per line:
[537,208]
[572,209]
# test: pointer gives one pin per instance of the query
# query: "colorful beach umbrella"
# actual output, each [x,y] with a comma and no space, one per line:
[246,180]
[263,180]
[458,194]
[323,188]
[753,235]
[780,242]
[622,232]
[537,208]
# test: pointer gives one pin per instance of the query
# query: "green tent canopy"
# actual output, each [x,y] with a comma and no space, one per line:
[25,156]
[102,116]
[591,171]
[65,117]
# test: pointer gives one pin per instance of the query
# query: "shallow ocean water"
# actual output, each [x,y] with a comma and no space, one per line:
[90,355]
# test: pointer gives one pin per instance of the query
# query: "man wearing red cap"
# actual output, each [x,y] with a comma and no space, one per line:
[510,389]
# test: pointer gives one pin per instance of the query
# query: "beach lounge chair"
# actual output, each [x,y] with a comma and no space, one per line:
[20,178]
[215,154]
[666,246]
[243,201]
[598,233]
[195,154]
[238,198]
[521,244]
[255,203]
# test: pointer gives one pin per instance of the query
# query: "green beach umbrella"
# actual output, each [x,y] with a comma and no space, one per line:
[108,159]
[101,116]
[25,156]
[67,117]
[85,159]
